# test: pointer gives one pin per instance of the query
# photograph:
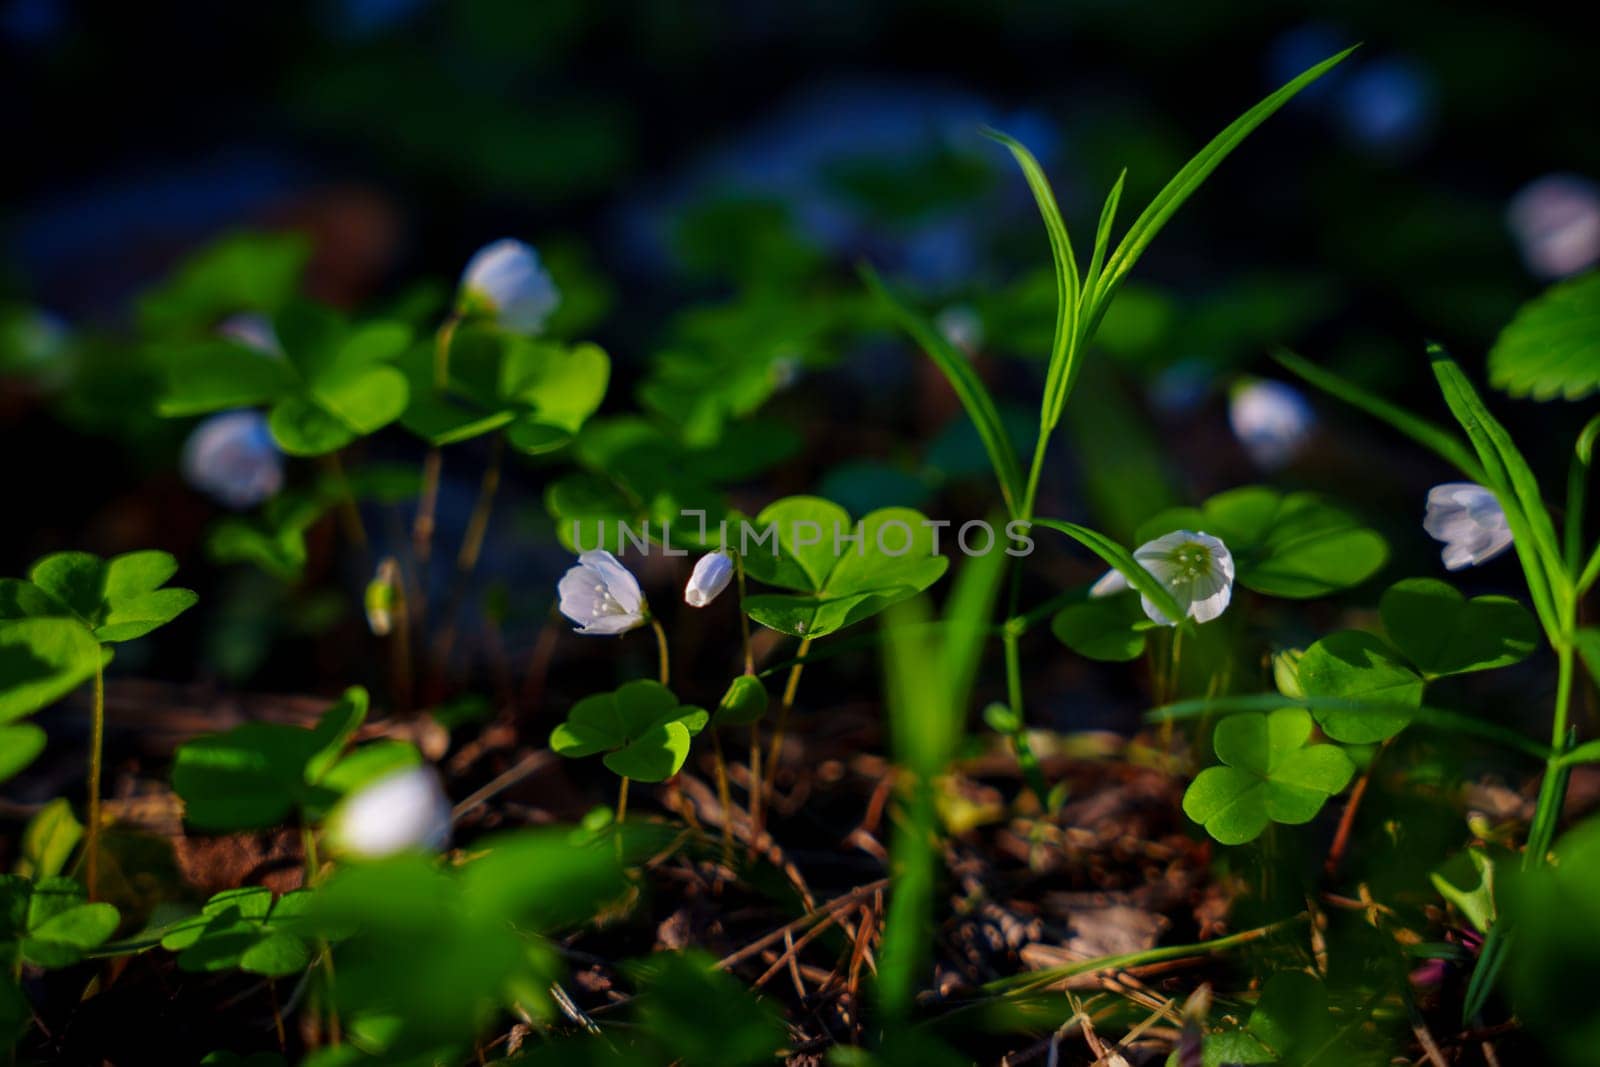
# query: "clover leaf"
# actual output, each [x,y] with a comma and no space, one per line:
[335,383]
[244,929]
[49,923]
[843,572]
[41,661]
[117,599]
[1111,629]
[1269,774]
[1295,546]
[744,702]
[539,391]
[1442,632]
[1356,666]
[257,774]
[642,729]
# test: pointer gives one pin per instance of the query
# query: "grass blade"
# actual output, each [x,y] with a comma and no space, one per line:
[1102,237]
[965,381]
[967,614]
[1533,534]
[1064,346]
[1429,435]
[1187,180]
[1122,560]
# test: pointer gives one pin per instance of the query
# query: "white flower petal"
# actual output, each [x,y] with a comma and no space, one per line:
[1271,420]
[711,575]
[1110,584]
[1470,522]
[506,279]
[619,581]
[232,457]
[404,810]
[1196,568]
[601,596]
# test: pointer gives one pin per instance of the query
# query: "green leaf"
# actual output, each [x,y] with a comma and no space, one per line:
[218,375]
[1187,180]
[119,599]
[1442,632]
[1429,435]
[239,272]
[49,838]
[1359,666]
[968,386]
[60,926]
[1552,347]
[1120,560]
[1294,546]
[641,728]
[843,572]
[41,661]
[1507,474]
[244,929]
[302,428]
[337,725]
[676,989]
[248,778]
[745,702]
[1110,629]
[1467,881]
[1062,370]
[20,745]
[1269,774]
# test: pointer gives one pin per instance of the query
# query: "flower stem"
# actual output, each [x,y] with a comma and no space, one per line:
[789,690]
[97,743]
[724,796]
[1552,792]
[661,647]
[622,800]
[478,525]
[744,620]
[428,502]
[349,510]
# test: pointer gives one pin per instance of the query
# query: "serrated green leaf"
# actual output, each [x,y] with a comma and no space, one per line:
[1551,348]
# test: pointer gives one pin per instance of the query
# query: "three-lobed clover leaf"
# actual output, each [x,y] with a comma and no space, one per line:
[49,923]
[1442,632]
[258,774]
[244,929]
[841,572]
[539,391]
[335,383]
[1359,667]
[642,729]
[1269,774]
[1295,546]
[118,599]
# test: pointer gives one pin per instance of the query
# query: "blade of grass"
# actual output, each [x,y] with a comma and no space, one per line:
[1533,535]
[1064,345]
[967,614]
[1187,180]
[1102,237]
[1429,435]
[965,381]
[1121,560]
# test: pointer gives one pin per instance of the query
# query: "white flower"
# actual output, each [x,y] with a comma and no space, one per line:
[711,576]
[254,331]
[962,327]
[403,810]
[1196,568]
[601,596]
[505,281]
[1271,420]
[1470,522]
[233,458]
[1556,221]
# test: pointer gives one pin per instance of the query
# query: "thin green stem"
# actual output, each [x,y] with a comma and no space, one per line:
[1553,790]
[349,509]
[744,620]
[97,744]
[478,525]
[724,795]
[661,649]
[428,501]
[622,800]
[789,690]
